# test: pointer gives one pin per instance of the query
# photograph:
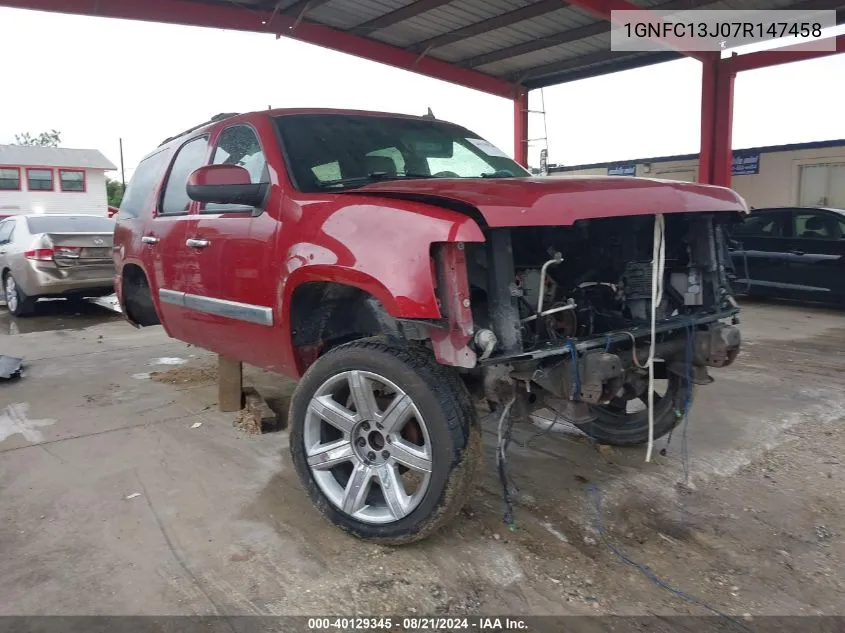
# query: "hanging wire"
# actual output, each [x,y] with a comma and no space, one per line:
[594,494]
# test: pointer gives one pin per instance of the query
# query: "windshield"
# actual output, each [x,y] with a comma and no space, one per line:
[336,151]
[70,224]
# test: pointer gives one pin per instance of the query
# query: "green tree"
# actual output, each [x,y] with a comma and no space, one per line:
[114,190]
[46,139]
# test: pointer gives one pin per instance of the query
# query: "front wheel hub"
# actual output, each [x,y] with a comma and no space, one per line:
[368,447]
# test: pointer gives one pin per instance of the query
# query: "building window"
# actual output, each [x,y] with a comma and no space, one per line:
[822,185]
[72,179]
[39,179]
[10,179]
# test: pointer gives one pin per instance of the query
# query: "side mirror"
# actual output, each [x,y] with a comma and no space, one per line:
[226,184]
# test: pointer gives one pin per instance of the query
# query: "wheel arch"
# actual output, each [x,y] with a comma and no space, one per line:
[136,296]
[323,314]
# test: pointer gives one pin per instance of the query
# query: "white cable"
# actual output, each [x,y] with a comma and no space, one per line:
[634,350]
[658,264]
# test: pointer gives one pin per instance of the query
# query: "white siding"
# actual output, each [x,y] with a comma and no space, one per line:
[778,183]
[93,200]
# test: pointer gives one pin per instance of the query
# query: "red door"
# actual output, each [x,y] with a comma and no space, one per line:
[166,255]
[231,295]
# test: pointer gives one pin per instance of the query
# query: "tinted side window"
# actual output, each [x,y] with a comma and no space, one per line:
[238,145]
[762,225]
[140,189]
[6,231]
[189,157]
[818,226]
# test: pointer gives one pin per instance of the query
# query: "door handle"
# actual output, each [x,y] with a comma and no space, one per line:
[798,252]
[194,243]
[149,239]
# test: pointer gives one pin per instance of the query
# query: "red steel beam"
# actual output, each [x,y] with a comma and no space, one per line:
[602,9]
[717,92]
[247,19]
[723,126]
[717,95]
[520,128]
[785,55]
[709,71]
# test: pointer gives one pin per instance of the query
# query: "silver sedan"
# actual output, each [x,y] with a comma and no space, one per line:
[54,256]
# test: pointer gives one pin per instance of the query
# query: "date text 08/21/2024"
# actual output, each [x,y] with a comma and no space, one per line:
[417,624]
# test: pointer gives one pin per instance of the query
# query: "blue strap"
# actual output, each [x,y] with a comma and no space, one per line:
[576,377]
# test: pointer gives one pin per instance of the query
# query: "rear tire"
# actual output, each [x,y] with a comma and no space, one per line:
[356,468]
[17,301]
[631,429]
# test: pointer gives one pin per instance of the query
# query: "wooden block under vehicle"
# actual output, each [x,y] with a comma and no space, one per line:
[230,395]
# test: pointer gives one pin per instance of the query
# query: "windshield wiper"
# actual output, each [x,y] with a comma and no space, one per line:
[375,176]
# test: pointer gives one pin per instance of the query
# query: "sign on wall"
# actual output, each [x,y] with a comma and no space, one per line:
[622,170]
[745,163]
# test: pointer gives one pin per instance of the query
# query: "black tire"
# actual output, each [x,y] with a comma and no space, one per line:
[631,429]
[443,401]
[24,305]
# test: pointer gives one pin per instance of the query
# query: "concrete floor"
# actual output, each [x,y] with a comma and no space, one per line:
[112,503]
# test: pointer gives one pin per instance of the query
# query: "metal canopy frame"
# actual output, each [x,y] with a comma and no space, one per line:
[500,47]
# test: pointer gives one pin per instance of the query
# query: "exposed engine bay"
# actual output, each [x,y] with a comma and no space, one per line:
[604,282]
[563,315]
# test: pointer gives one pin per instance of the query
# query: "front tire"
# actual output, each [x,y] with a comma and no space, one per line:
[17,301]
[384,440]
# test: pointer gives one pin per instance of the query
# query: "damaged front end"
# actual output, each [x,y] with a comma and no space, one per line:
[560,318]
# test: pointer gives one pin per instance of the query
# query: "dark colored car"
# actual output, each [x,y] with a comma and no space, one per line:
[401,268]
[792,253]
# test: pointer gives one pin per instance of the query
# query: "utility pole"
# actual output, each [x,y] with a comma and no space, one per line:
[122,173]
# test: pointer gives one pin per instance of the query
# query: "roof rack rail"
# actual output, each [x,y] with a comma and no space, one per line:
[214,119]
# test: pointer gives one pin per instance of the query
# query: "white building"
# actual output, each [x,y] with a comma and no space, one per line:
[52,180]
[802,174]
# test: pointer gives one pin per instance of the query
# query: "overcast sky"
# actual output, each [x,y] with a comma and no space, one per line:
[98,79]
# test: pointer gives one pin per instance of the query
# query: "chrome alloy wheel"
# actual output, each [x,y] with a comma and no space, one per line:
[11,292]
[367,447]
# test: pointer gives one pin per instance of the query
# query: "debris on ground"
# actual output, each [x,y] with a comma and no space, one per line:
[257,416]
[186,376]
[196,425]
[10,367]
[132,496]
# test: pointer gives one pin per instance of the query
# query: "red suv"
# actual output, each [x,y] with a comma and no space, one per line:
[405,270]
